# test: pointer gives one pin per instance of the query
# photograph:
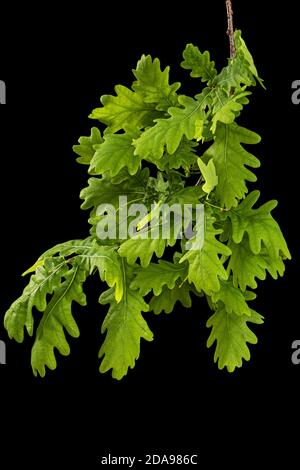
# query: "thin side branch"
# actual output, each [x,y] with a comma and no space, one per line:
[230,30]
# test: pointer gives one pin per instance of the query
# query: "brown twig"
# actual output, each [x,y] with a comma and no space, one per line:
[230,30]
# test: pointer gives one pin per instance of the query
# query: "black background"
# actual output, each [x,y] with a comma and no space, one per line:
[56,64]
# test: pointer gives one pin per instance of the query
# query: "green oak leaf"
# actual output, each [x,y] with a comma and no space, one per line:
[184,157]
[115,153]
[142,248]
[166,300]
[167,134]
[260,227]
[234,300]
[153,84]
[105,191]
[199,63]
[230,158]
[158,275]
[46,278]
[124,326]
[226,108]
[108,263]
[243,51]
[240,70]
[68,248]
[127,109]
[86,149]
[205,267]
[56,318]
[231,334]
[245,266]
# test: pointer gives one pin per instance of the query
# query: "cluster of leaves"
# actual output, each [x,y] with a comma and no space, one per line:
[152,126]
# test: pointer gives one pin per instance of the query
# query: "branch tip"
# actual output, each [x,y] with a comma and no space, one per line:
[230,29]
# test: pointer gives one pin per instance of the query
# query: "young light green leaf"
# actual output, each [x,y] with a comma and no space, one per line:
[240,70]
[231,334]
[243,51]
[33,268]
[209,174]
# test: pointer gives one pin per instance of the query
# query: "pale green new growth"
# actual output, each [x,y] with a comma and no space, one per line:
[209,174]
[152,123]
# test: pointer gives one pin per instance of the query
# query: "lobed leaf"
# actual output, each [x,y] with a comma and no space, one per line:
[142,248]
[56,318]
[158,275]
[124,326]
[115,153]
[260,227]
[199,63]
[153,84]
[246,266]
[231,334]
[205,267]
[86,148]
[230,160]
[167,134]
[127,109]
[233,299]
[166,300]
[46,279]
